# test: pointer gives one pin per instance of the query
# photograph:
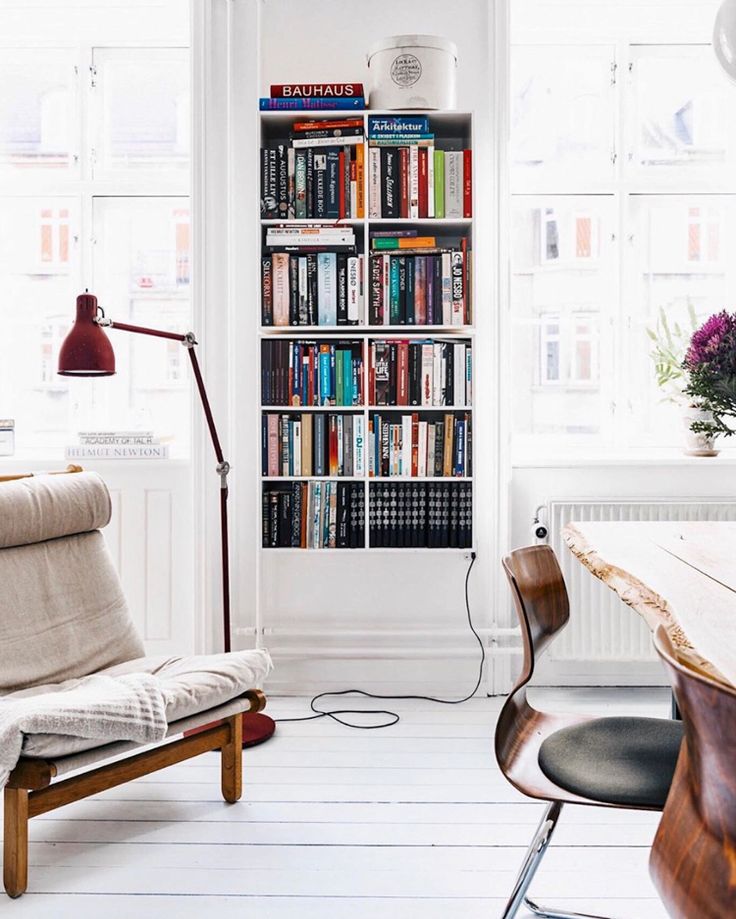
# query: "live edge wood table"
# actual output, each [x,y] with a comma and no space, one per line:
[680,574]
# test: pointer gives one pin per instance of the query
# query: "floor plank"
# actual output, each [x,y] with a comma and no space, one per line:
[414,822]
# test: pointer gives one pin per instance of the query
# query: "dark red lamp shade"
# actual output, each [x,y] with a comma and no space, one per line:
[86,351]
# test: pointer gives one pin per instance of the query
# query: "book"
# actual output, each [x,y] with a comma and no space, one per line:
[328,124]
[415,284]
[429,372]
[341,140]
[102,438]
[453,184]
[431,515]
[467,183]
[439,184]
[312,515]
[311,104]
[298,372]
[117,451]
[316,90]
[398,124]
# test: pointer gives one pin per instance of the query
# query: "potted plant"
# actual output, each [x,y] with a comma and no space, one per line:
[671,342]
[710,363]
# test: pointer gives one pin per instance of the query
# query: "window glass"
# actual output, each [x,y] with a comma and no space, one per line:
[561,113]
[677,263]
[38,109]
[141,276]
[679,96]
[143,109]
[77,123]
[561,291]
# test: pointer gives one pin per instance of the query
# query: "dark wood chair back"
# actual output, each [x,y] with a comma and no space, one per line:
[692,860]
[540,597]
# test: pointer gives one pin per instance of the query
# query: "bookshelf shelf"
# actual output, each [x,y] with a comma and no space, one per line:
[415,222]
[402,331]
[312,222]
[340,409]
[405,409]
[421,478]
[453,133]
[312,478]
[375,550]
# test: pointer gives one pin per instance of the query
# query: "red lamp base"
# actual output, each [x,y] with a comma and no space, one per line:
[257,728]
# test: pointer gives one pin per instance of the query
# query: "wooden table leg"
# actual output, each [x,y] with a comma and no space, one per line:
[232,761]
[15,841]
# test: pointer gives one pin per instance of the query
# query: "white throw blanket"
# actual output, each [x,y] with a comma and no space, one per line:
[104,708]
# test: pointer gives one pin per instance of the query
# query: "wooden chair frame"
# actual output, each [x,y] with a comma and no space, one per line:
[540,598]
[30,792]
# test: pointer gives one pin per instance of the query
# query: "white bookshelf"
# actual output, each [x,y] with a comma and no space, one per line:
[453,131]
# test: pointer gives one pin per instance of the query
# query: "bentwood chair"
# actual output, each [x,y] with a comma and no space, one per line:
[570,759]
[693,859]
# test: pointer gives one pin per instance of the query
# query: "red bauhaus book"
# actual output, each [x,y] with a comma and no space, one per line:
[318,90]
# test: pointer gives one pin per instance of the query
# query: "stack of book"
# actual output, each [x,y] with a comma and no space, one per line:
[311,373]
[425,372]
[117,445]
[408,176]
[314,515]
[286,97]
[318,173]
[311,275]
[415,282]
[432,515]
[313,444]
[405,446]
[7,436]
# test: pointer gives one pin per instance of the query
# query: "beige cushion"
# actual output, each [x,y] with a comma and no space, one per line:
[190,685]
[62,612]
[50,506]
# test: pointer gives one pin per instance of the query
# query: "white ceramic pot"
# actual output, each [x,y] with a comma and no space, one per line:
[697,444]
[412,72]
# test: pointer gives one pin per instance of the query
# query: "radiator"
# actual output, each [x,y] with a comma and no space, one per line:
[601,627]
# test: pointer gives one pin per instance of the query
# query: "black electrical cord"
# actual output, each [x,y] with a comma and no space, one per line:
[336,714]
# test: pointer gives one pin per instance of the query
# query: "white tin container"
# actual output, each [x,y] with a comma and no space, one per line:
[412,72]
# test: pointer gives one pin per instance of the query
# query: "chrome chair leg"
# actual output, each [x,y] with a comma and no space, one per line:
[532,859]
[544,912]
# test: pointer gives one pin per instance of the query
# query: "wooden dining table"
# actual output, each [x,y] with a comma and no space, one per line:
[680,574]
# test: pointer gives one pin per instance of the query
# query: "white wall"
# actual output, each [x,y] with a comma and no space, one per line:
[311,599]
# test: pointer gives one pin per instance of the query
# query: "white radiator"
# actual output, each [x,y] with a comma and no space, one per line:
[601,627]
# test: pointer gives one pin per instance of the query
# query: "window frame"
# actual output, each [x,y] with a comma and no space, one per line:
[617,428]
[80,185]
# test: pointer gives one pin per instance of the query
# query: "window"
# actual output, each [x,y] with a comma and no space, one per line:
[94,193]
[623,204]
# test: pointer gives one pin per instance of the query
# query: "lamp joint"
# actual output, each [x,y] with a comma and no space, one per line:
[189,340]
[223,470]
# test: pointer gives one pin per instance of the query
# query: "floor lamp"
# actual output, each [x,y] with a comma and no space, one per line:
[87,352]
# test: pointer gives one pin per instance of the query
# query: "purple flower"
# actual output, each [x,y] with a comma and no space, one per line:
[716,336]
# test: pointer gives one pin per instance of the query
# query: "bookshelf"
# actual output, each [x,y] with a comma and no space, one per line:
[453,131]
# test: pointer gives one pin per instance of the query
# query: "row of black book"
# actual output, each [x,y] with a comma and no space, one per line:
[431,515]
[314,515]
[311,373]
[318,174]
[313,444]
[427,372]
[312,288]
[429,286]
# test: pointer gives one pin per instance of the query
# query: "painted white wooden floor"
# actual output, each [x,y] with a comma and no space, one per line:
[411,822]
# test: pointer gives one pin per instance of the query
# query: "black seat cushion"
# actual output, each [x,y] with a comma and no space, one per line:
[625,761]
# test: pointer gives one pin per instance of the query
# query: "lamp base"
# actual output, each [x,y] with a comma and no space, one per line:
[257,728]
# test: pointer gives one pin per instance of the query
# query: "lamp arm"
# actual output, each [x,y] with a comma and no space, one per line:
[223,467]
